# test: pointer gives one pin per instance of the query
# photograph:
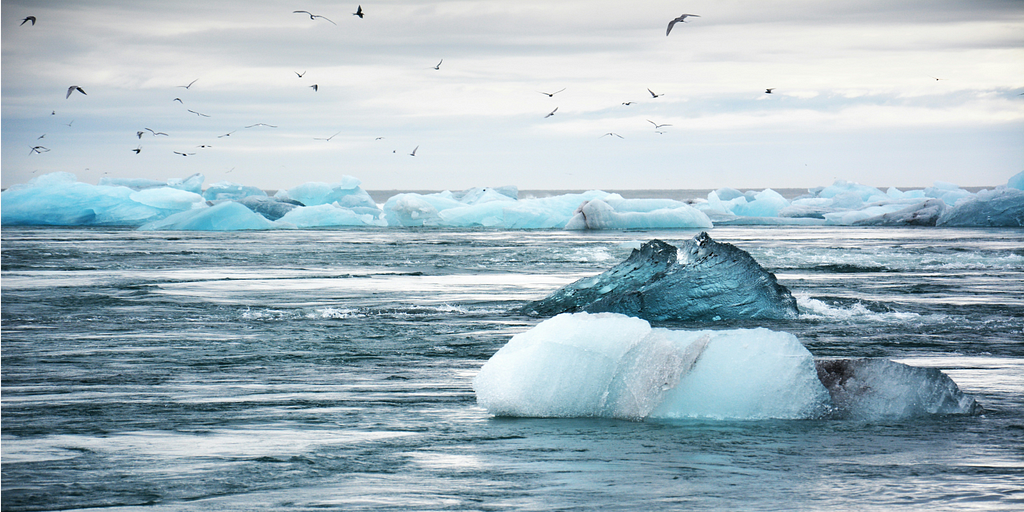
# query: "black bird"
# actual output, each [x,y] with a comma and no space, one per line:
[627,103]
[198,113]
[183,154]
[139,134]
[414,151]
[72,89]
[654,95]
[328,138]
[551,113]
[28,19]
[189,86]
[359,12]
[656,125]
[552,94]
[178,100]
[313,16]
[38,149]
[155,133]
[769,91]
[315,87]
[300,74]
[680,19]
[138,150]
[438,66]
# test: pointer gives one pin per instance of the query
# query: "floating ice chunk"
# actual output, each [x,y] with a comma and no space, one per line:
[412,210]
[226,216]
[865,193]
[1003,207]
[597,214]
[488,214]
[231,191]
[271,208]
[327,215]
[849,217]
[766,203]
[167,198]
[1016,181]
[728,194]
[487,194]
[346,193]
[924,213]
[192,184]
[608,365]
[947,192]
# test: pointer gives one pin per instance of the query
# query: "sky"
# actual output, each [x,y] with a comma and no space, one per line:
[878,92]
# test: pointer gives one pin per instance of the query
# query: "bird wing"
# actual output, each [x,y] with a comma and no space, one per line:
[670,25]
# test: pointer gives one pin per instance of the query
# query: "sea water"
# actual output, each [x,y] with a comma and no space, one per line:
[333,369]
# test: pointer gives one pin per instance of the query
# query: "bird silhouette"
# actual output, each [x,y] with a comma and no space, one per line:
[359,12]
[155,133]
[69,124]
[183,154]
[138,150]
[328,138]
[314,16]
[552,94]
[937,79]
[38,149]
[228,134]
[139,134]
[315,87]
[189,86]
[769,91]
[414,151]
[28,19]
[680,19]
[627,103]
[41,136]
[198,113]
[178,100]
[261,124]
[72,89]
[656,125]
[438,66]
[654,95]
[615,134]
[551,113]
[300,74]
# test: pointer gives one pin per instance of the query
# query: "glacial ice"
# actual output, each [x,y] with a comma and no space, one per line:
[704,280]
[58,199]
[610,365]
[226,216]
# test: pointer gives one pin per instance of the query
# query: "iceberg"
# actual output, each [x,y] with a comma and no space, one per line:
[346,192]
[327,215]
[1003,207]
[271,208]
[226,190]
[599,214]
[704,280]
[924,213]
[226,216]
[615,366]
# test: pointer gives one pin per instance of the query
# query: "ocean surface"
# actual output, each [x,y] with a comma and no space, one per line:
[332,369]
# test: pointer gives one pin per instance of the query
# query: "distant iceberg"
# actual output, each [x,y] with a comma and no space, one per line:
[704,280]
[59,199]
[614,366]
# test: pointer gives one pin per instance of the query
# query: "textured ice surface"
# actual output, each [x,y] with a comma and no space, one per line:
[1003,207]
[346,192]
[226,216]
[599,214]
[703,280]
[233,191]
[610,365]
[327,215]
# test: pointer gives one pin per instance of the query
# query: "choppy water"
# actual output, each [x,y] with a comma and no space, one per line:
[332,369]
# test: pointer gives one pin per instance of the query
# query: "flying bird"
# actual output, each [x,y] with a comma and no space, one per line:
[41,136]
[313,16]
[183,154]
[198,113]
[178,100]
[315,87]
[155,133]
[551,113]
[937,79]
[228,134]
[414,151]
[438,66]
[627,103]
[680,19]
[72,89]
[552,94]
[769,91]
[359,12]
[189,86]
[69,124]
[654,95]
[300,74]
[138,150]
[139,134]
[38,149]
[328,138]
[656,125]
[28,19]
[261,124]
[204,146]
[615,134]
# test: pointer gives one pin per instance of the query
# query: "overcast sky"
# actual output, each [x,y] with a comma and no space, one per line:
[856,94]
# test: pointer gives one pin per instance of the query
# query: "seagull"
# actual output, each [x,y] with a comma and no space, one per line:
[300,74]
[328,138]
[198,113]
[615,134]
[359,12]
[680,19]
[315,87]
[28,19]
[654,95]
[261,124]
[769,91]
[38,149]
[378,138]
[414,151]
[41,136]
[656,125]
[438,66]
[69,124]
[552,94]
[138,150]
[627,103]
[189,86]
[937,79]
[551,113]
[178,100]
[155,133]
[139,134]
[72,89]
[313,16]
[228,134]
[204,146]
[53,112]
[183,154]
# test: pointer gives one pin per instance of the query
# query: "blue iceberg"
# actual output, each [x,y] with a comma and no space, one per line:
[704,280]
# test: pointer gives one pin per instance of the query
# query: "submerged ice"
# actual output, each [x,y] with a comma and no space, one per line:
[610,365]
[59,199]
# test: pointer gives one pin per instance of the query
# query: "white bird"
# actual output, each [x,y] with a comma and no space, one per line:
[552,94]
[414,151]
[552,113]
[314,16]
[769,90]
[328,138]
[261,124]
[656,125]
[38,149]
[189,86]
[615,134]
[300,74]
[72,89]
[654,95]
[183,154]
[680,19]
[198,113]
[155,133]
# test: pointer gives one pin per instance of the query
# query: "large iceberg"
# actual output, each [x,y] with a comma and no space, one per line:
[704,280]
[614,366]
